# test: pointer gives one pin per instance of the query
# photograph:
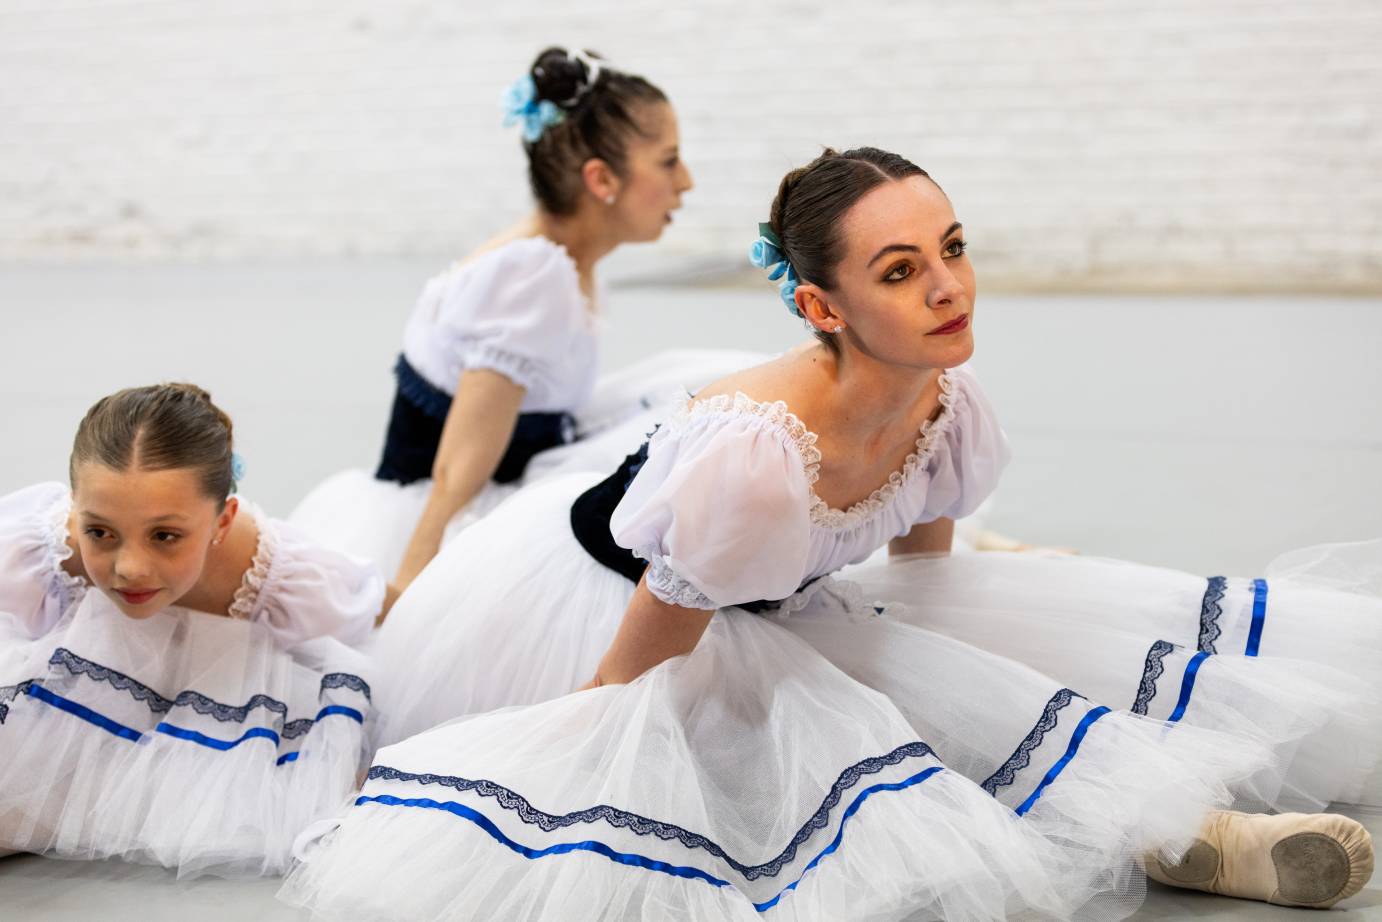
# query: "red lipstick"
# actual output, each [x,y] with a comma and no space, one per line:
[136,596]
[954,326]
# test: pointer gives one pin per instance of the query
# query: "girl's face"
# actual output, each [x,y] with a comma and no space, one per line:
[654,177]
[145,535]
[905,288]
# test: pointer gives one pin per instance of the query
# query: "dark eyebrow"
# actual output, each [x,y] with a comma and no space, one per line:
[907,247]
[891,248]
[170,517]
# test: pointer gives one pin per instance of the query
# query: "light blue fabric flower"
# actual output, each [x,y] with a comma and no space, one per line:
[766,253]
[522,105]
[237,471]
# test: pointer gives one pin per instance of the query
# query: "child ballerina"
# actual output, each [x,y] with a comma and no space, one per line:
[500,351]
[754,739]
[204,702]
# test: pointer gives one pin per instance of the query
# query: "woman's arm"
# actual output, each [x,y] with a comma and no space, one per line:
[928,538]
[652,631]
[473,441]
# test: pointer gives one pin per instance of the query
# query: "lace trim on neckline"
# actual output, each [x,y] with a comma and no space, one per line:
[246,598]
[776,414]
[59,551]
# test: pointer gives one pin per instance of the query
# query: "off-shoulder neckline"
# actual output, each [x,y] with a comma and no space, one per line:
[804,440]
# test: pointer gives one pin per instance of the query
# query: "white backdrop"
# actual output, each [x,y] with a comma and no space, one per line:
[1181,145]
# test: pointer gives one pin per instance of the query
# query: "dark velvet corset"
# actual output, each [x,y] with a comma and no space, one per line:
[416,422]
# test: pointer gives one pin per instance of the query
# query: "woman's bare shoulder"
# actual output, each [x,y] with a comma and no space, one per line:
[793,377]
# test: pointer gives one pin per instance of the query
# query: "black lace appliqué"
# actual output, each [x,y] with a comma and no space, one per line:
[643,826]
[1022,756]
[8,693]
[1151,672]
[225,713]
[1210,610]
[346,680]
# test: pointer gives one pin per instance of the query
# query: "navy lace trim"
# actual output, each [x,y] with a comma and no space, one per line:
[1210,610]
[8,693]
[643,826]
[200,703]
[1022,756]
[1151,672]
[346,680]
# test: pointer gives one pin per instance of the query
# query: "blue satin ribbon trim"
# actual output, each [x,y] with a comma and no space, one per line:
[192,736]
[82,711]
[111,726]
[1059,767]
[254,732]
[1187,686]
[1259,616]
[632,860]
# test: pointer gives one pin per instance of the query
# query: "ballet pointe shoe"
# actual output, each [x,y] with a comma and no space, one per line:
[985,540]
[1311,860]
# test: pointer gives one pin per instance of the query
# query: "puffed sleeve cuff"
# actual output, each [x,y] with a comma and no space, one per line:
[521,370]
[310,591]
[664,583]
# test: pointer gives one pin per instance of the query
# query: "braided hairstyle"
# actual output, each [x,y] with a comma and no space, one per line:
[156,428]
[812,201]
[600,119]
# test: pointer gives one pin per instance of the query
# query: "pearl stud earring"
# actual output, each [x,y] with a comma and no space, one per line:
[837,329]
[609,200]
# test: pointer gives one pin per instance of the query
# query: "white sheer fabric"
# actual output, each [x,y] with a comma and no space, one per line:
[200,742]
[34,588]
[725,513]
[518,310]
[731,782]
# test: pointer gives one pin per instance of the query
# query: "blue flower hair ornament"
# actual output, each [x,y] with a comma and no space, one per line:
[522,105]
[767,253]
[237,472]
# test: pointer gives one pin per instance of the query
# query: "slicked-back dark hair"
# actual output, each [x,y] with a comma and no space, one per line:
[812,201]
[600,119]
[159,427]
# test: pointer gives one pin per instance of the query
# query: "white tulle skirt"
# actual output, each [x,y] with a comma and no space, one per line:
[185,740]
[1306,637]
[353,512]
[828,761]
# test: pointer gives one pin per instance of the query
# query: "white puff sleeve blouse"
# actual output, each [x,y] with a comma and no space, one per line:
[34,588]
[719,510]
[725,512]
[300,590]
[517,310]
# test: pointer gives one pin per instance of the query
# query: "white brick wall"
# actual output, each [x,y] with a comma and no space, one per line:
[1181,144]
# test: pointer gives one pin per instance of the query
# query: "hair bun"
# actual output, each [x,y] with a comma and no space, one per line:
[560,78]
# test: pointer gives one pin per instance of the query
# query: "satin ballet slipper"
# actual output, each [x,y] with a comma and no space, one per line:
[1311,860]
[985,540]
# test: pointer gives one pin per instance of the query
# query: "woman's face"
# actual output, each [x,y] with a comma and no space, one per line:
[654,177]
[904,289]
[144,535]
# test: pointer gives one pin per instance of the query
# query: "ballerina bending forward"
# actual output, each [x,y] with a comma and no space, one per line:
[753,739]
[207,702]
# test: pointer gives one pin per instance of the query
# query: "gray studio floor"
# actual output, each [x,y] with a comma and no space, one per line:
[1205,433]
